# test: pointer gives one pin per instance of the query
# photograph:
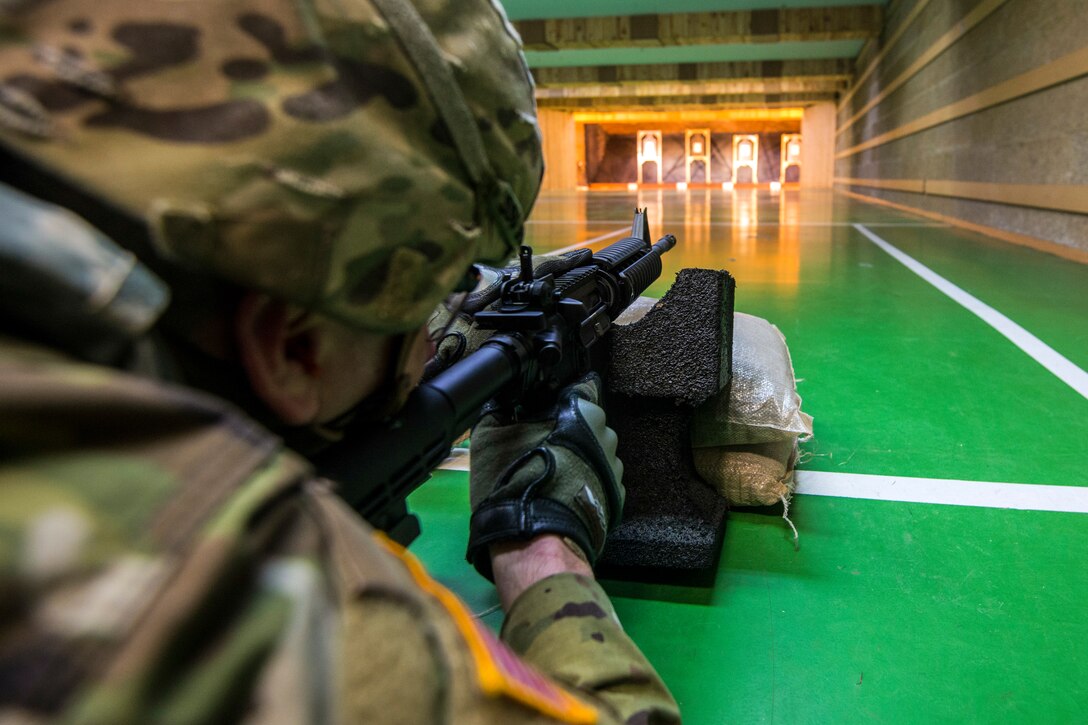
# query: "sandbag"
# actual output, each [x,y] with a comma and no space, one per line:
[756,474]
[761,404]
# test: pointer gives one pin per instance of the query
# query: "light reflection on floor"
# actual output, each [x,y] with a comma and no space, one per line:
[755,234]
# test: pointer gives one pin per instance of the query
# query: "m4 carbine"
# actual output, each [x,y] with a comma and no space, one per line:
[548,332]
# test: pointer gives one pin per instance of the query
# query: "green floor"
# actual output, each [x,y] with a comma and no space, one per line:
[889,612]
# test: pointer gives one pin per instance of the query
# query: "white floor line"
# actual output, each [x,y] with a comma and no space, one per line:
[985,494]
[457,460]
[950,492]
[1042,353]
[594,240]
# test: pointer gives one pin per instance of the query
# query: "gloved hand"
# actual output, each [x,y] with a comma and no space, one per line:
[556,474]
[450,325]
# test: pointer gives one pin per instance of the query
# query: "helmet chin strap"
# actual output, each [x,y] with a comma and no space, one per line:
[495,199]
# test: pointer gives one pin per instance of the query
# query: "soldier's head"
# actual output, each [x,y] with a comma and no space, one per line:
[339,164]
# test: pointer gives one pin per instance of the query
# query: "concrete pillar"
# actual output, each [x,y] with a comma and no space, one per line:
[560,150]
[818,146]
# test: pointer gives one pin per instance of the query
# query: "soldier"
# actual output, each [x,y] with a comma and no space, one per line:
[255,204]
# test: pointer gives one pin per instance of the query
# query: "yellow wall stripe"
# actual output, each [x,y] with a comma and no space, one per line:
[1059,197]
[946,41]
[1066,68]
[917,186]
[1068,197]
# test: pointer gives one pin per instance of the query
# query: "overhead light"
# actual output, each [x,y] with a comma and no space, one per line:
[681,186]
[776,187]
[632,186]
[727,186]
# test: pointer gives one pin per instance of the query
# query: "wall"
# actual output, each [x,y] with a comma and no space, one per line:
[616,161]
[976,111]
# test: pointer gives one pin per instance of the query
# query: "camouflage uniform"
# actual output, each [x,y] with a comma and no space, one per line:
[164,558]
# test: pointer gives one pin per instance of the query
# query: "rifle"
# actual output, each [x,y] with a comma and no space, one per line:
[547,335]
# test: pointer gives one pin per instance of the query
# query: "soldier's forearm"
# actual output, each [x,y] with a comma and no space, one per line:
[566,627]
[518,565]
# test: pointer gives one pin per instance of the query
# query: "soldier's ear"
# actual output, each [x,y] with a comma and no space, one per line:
[279,354]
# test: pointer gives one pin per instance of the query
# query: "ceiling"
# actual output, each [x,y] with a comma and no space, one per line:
[621,55]
[709,53]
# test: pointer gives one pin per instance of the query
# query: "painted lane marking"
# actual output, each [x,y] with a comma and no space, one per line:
[984,494]
[458,460]
[1042,353]
[586,243]
[945,491]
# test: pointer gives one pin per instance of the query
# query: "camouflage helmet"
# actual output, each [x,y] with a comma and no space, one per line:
[350,156]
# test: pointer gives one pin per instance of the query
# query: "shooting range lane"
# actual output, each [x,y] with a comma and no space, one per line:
[901,611]
[1029,343]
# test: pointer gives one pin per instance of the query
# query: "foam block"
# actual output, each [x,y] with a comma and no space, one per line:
[660,368]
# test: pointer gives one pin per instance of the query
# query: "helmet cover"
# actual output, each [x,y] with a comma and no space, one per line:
[288,146]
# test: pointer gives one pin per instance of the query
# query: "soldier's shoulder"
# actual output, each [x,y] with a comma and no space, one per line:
[113,489]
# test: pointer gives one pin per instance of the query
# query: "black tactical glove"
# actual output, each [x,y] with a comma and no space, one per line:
[557,474]
[451,325]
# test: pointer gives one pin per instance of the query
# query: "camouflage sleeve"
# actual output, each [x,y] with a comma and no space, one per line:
[566,626]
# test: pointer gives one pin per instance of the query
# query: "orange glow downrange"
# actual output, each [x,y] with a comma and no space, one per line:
[702,117]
